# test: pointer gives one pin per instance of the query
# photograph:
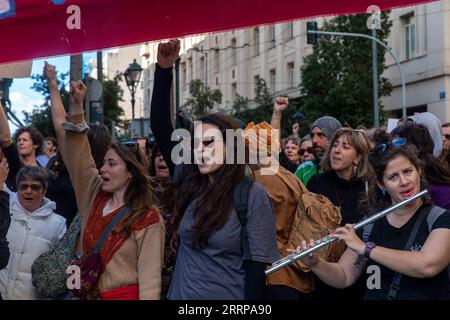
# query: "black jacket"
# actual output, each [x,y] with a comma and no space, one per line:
[5,220]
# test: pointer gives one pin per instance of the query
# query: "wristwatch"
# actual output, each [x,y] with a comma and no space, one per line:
[368,249]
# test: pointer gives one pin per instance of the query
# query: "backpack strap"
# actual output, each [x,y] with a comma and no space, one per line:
[433,215]
[395,284]
[101,241]
[241,194]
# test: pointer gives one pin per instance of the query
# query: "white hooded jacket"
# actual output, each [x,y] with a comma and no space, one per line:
[30,234]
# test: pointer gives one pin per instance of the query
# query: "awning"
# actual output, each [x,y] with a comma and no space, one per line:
[42,28]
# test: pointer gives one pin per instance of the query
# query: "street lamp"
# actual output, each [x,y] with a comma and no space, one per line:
[132,76]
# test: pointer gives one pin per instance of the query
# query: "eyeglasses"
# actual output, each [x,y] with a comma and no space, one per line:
[302,151]
[382,147]
[33,186]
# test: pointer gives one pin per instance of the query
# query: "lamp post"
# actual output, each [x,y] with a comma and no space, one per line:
[132,76]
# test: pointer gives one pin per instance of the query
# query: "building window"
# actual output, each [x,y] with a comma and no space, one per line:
[202,68]
[272,78]
[290,72]
[191,69]
[233,91]
[410,36]
[272,36]
[256,41]
[255,83]
[183,76]
[233,74]
[290,30]
[233,52]
[217,81]
[216,61]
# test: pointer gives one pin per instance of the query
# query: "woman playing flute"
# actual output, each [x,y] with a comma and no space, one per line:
[408,249]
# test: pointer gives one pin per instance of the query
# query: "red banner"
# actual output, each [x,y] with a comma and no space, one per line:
[42,28]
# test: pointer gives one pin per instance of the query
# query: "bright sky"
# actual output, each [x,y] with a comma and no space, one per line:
[23,98]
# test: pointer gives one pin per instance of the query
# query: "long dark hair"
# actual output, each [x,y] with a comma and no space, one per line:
[417,134]
[165,191]
[213,193]
[99,141]
[139,194]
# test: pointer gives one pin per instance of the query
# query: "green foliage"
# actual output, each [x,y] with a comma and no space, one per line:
[40,117]
[240,104]
[262,94]
[112,95]
[202,98]
[337,76]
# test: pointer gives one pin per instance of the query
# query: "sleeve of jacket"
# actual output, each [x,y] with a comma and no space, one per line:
[5,220]
[150,243]
[160,114]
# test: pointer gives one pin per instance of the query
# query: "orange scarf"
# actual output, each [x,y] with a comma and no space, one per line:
[97,223]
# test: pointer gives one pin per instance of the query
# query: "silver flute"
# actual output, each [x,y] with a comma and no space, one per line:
[277,265]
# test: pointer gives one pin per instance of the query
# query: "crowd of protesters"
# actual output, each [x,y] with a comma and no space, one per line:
[195,213]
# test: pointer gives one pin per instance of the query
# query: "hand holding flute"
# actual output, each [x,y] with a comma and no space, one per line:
[346,234]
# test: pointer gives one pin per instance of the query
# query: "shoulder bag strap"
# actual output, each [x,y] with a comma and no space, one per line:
[101,241]
[395,284]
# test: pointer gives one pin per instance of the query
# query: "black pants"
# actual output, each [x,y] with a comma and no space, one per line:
[279,292]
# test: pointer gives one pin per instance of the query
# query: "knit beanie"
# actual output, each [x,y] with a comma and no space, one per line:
[328,125]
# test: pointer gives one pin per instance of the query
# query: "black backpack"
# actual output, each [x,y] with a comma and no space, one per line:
[241,193]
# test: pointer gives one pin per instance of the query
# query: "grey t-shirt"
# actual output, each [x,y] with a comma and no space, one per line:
[216,271]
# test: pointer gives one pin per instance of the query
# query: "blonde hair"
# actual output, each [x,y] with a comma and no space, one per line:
[358,139]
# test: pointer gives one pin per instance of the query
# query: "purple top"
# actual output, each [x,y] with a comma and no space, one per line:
[440,194]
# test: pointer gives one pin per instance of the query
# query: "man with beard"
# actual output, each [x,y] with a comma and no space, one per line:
[322,131]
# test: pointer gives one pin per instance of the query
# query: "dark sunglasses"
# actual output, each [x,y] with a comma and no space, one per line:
[207,142]
[447,136]
[302,151]
[382,147]
[33,186]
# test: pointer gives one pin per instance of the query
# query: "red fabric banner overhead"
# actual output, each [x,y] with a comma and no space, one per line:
[42,28]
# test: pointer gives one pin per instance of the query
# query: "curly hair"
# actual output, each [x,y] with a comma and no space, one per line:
[35,134]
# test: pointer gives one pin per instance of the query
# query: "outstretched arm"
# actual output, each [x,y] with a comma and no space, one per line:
[57,107]
[5,133]
[78,159]
[281,103]
[160,108]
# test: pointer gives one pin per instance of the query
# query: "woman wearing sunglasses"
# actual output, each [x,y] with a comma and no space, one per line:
[131,257]
[306,149]
[408,251]
[210,262]
[35,228]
